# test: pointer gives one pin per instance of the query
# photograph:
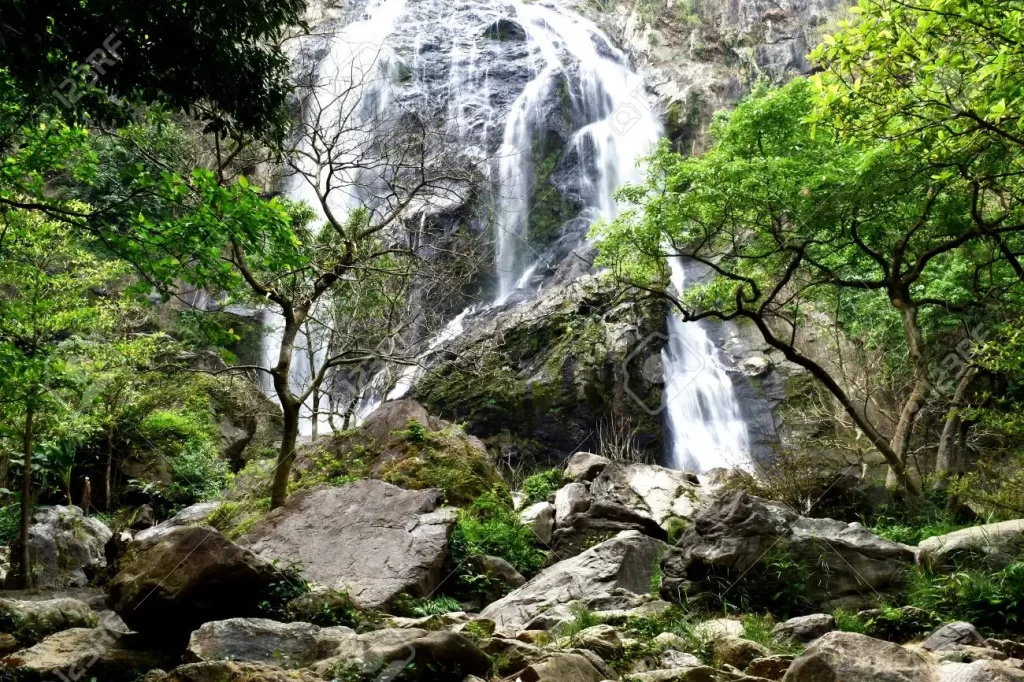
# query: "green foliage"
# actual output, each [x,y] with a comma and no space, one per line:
[541,486]
[758,628]
[445,460]
[849,621]
[582,618]
[290,585]
[418,607]
[10,518]
[173,53]
[489,526]
[678,622]
[187,439]
[992,600]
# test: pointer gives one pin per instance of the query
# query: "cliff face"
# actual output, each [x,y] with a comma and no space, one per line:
[699,56]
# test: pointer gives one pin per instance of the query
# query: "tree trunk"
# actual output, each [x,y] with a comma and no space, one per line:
[108,502]
[286,455]
[944,460]
[26,499]
[900,443]
[315,398]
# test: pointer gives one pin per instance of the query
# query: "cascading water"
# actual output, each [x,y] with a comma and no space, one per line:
[703,416]
[504,77]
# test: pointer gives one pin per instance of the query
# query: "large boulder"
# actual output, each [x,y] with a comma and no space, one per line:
[980,671]
[996,544]
[733,537]
[804,628]
[540,518]
[369,538]
[231,671]
[31,621]
[96,653]
[559,667]
[188,577]
[258,640]
[952,635]
[851,657]
[66,547]
[195,515]
[665,495]
[624,563]
[385,653]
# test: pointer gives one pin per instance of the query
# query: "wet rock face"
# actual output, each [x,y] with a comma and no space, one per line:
[550,371]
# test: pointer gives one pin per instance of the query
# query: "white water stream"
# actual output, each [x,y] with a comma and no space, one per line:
[500,95]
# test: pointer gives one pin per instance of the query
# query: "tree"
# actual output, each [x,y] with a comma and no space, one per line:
[792,220]
[220,60]
[47,304]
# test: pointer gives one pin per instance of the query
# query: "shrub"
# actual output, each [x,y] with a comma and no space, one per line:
[758,628]
[10,523]
[418,607]
[490,526]
[989,599]
[541,486]
[582,618]
[278,594]
[199,474]
[678,622]
[848,621]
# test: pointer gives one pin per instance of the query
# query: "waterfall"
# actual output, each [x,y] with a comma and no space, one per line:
[504,78]
[706,428]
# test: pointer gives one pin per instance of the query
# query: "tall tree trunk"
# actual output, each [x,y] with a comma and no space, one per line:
[108,502]
[900,442]
[315,402]
[286,455]
[944,460]
[26,498]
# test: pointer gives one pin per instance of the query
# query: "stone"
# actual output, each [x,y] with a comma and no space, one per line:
[851,657]
[602,639]
[196,515]
[770,667]
[602,520]
[503,576]
[368,538]
[670,658]
[7,643]
[995,544]
[979,671]
[1007,646]
[31,621]
[734,532]
[716,628]
[540,518]
[445,655]
[95,653]
[738,652]
[668,496]
[804,628]
[512,655]
[625,562]
[698,673]
[285,645]
[234,671]
[952,634]
[394,415]
[66,547]
[188,577]
[560,667]
[584,466]
[670,640]
[569,501]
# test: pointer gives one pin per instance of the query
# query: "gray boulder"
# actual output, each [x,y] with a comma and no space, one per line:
[560,667]
[232,671]
[738,652]
[66,547]
[770,667]
[286,645]
[736,532]
[804,628]
[540,518]
[369,538]
[624,563]
[96,653]
[584,466]
[996,544]
[188,577]
[951,635]
[385,653]
[979,671]
[851,657]
[31,621]
[196,515]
